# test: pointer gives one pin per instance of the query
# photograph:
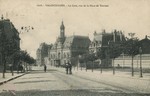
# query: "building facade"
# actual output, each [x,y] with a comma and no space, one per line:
[9,41]
[125,61]
[68,49]
[41,53]
[102,40]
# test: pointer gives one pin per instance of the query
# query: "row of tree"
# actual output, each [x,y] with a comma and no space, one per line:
[11,54]
[22,58]
[129,47]
[10,51]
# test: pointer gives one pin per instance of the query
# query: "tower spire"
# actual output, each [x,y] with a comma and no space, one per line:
[62,25]
[62,30]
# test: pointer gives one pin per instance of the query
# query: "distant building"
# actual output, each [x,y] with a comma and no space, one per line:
[9,40]
[125,61]
[145,45]
[41,53]
[67,49]
[102,40]
[46,61]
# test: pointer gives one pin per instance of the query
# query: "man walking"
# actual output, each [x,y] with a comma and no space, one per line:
[66,68]
[70,68]
[45,68]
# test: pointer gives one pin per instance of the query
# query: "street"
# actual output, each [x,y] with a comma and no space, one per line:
[56,83]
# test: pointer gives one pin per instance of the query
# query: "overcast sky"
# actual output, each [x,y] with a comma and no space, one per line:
[126,15]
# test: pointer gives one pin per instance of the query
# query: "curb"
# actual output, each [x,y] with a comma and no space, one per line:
[10,79]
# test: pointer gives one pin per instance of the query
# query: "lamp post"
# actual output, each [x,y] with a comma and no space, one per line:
[123,60]
[140,51]
[111,52]
[113,59]
[78,63]
[85,62]
[132,35]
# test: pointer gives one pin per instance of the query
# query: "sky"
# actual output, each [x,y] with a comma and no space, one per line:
[80,17]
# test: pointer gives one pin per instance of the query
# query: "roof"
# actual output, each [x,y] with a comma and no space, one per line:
[9,29]
[43,45]
[107,37]
[103,37]
[62,26]
[98,37]
[145,44]
[77,41]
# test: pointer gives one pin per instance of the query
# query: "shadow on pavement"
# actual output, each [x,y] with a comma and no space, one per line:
[33,78]
[35,81]
[42,71]
[68,93]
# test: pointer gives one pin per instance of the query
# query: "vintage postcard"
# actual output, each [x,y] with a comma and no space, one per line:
[74,48]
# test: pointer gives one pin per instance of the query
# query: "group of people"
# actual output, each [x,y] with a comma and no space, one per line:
[68,68]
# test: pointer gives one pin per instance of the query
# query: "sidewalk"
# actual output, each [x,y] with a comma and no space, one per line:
[9,77]
[122,80]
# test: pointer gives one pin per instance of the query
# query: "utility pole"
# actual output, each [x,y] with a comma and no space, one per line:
[123,60]
[132,35]
[140,50]
[113,58]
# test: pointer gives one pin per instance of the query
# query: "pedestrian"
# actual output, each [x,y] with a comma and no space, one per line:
[45,68]
[66,68]
[70,68]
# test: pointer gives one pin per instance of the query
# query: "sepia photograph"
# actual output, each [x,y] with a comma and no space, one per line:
[74,48]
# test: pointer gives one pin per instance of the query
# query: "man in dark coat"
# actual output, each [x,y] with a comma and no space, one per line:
[66,68]
[45,68]
[70,68]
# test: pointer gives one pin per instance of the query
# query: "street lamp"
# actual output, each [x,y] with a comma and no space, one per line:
[140,51]
[113,59]
[132,37]
[112,54]
[85,57]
